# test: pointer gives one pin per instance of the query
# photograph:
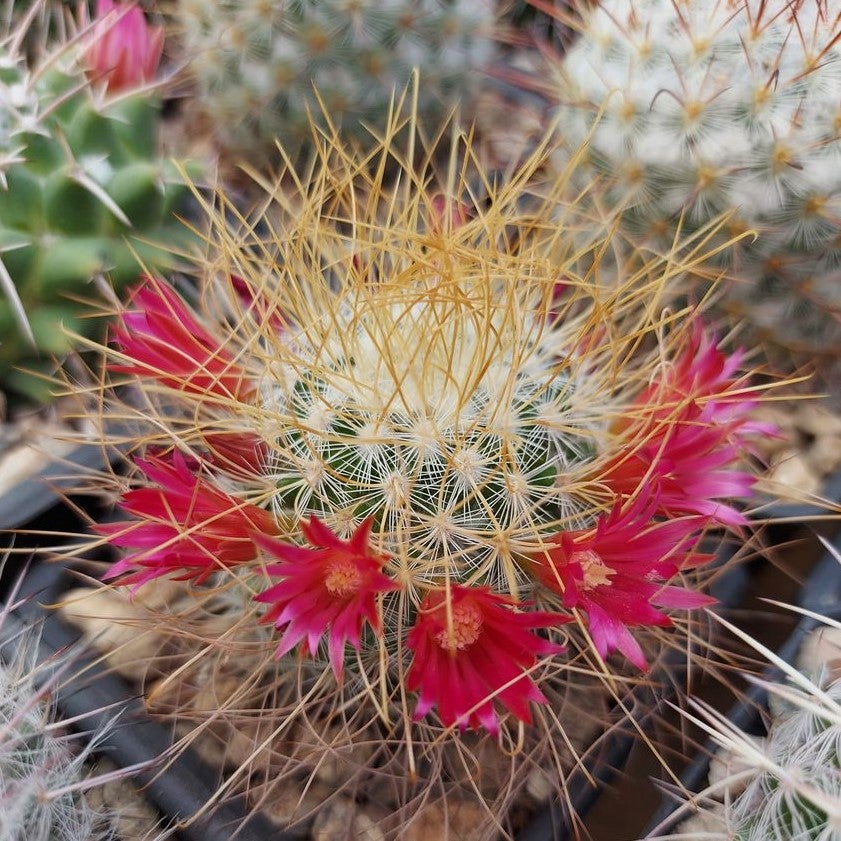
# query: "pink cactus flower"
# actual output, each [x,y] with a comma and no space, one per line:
[618,571]
[692,426]
[331,589]
[471,649]
[125,50]
[256,303]
[242,454]
[163,340]
[187,527]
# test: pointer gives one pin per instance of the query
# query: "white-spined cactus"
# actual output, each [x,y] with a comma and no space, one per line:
[259,65]
[785,786]
[705,107]
[798,795]
[42,770]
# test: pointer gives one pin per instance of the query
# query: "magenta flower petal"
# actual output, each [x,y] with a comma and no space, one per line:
[617,572]
[185,526]
[689,429]
[124,49]
[331,589]
[163,340]
[471,649]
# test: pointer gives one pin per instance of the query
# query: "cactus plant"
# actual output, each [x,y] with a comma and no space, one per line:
[42,769]
[258,65]
[83,191]
[387,433]
[704,108]
[798,795]
[785,785]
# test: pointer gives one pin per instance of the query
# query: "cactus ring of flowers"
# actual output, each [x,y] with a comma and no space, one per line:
[426,445]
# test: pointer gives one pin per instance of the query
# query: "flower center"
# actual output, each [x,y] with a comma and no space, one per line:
[465,629]
[596,572]
[343,578]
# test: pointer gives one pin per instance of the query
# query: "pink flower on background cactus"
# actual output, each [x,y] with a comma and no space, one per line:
[162,339]
[331,589]
[471,649]
[125,49]
[693,424]
[186,527]
[617,573]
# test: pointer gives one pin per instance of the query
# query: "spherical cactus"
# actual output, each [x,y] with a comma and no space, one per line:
[404,446]
[262,68]
[82,192]
[787,784]
[704,108]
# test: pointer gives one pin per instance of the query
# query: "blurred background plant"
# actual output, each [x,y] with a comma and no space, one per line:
[784,784]
[263,71]
[44,770]
[697,109]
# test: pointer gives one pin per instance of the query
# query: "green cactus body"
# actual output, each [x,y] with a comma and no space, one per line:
[714,106]
[402,443]
[81,190]
[259,64]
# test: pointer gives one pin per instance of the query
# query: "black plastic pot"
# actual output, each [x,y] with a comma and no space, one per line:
[39,493]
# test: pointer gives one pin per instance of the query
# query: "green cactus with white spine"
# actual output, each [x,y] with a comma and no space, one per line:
[463,477]
[83,191]
[714,106]
[793,797]
[258,64]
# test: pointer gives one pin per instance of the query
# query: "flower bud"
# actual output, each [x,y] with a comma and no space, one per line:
[125,50]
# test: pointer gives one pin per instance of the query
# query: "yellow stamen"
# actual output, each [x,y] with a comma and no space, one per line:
[465,629]
[595,570]
[343,578]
